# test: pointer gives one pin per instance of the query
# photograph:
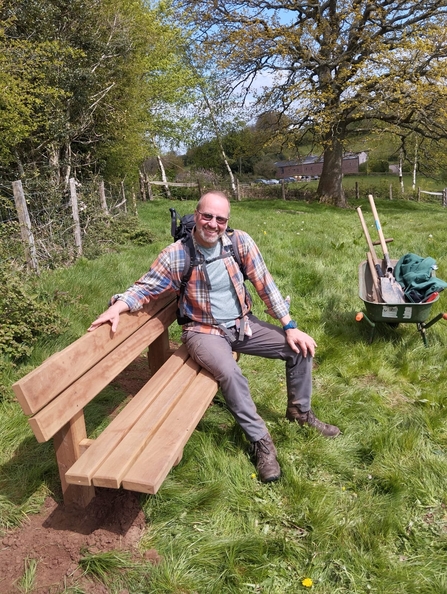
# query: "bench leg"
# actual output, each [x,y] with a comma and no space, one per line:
[158,352]
[66,443]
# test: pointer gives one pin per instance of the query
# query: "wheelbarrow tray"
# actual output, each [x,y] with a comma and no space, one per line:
[391,313]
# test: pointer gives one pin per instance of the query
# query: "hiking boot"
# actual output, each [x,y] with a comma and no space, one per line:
[264,454]
[309,418]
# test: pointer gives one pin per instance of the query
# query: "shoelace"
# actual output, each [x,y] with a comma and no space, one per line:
[261,446]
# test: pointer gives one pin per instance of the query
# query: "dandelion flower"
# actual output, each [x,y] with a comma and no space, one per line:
[253,476]
[307,582]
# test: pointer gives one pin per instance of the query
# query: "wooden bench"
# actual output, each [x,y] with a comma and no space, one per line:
[146,439]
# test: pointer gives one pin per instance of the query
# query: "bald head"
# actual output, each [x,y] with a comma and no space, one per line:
[211,217]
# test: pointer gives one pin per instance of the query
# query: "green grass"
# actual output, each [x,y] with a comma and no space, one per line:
[363,513]
[26,582]
[106,566]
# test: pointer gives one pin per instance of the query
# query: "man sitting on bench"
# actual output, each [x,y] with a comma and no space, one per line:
[219,320]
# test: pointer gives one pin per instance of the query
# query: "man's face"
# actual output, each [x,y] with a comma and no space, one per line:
[208,232]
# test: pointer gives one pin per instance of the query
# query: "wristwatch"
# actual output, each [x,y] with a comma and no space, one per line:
[290,325]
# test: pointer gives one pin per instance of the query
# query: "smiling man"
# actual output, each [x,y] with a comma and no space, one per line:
[218,320]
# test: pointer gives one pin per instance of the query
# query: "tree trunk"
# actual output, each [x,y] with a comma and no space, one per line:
[219,142]
[54,162]
[67,166]
[330,189]
[415,164]
[401,175]
[164,179]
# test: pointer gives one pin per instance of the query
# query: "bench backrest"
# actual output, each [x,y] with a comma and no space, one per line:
[62,385]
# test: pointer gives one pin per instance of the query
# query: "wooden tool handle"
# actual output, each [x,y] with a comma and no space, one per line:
[379,230]
[368,239]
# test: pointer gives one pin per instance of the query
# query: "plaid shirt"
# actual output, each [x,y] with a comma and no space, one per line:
[166,274]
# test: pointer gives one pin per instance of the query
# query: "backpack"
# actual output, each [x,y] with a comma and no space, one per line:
[181,229]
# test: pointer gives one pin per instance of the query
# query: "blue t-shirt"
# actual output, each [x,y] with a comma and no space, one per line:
[225,306]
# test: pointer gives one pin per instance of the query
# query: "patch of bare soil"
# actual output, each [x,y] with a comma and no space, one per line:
[59,535]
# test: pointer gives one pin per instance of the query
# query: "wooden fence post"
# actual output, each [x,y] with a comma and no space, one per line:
[419,194]
[238,191]
[391,191]
[102,197]
[357,193]
[25,226]
[444,197]
[75,212]
[283,189]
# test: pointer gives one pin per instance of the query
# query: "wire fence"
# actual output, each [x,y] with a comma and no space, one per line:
[39,229]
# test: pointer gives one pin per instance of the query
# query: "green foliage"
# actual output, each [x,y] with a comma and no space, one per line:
[320,68]
[106,566]
[127,228]
[25,315]
[86,88]
[377,165]
[11,247]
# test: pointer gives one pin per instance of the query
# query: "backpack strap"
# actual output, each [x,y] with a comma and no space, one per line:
[190,262]
[235,251]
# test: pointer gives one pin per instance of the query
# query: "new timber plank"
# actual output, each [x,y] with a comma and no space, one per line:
[111,472]
[59,411]
[81,472]
[59,371]
[152,466]
[67,447]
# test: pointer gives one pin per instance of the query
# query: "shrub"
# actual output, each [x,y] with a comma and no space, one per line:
[378,166]
[24,315]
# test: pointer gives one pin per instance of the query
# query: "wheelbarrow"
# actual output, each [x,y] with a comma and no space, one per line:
[393,314]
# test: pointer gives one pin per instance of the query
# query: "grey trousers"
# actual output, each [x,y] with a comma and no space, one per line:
[214,353]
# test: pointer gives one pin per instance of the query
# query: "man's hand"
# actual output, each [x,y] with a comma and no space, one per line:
[300,342]
[111,315]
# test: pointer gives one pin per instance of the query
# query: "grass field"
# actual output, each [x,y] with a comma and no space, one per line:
[365,512]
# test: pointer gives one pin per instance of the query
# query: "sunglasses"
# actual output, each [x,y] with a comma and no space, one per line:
[209,217]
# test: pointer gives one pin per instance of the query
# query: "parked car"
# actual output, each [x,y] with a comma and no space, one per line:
[289,179]
[267,182]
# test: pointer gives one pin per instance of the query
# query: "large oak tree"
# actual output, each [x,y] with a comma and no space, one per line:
[332,65]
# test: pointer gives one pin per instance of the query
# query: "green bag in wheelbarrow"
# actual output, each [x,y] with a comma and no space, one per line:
[415,274]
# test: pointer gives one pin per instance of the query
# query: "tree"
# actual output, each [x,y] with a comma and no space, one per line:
[332,64]
[86,84]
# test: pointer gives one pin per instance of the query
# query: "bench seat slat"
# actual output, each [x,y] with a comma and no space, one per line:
[59,371]
[111,472]
[58,412]
[82,471]
[152,466]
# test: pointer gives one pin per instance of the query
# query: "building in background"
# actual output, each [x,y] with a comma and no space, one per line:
[312,166]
